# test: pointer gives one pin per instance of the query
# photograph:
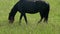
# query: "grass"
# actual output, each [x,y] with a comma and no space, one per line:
[53,26]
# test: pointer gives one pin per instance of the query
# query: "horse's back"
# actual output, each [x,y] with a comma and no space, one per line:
[32,7]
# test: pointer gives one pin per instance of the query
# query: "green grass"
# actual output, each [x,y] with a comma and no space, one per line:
[53,26]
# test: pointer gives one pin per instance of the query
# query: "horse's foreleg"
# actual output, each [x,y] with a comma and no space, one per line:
[40,20]
[20,18]
[25,18]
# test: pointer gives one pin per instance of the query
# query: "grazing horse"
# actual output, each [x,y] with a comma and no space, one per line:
[30,7]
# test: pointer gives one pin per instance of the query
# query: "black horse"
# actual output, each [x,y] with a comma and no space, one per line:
[32,8]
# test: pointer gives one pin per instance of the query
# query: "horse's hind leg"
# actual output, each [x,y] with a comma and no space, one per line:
[46,14]
[46,18]
[40,20]
[41,14]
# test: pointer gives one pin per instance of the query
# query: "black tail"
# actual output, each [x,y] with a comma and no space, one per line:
[47,13]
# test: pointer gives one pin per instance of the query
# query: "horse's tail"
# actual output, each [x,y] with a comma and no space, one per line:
[12,13]
[47,12]
[48,8]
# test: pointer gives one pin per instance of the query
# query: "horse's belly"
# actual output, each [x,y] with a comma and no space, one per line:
[32,12]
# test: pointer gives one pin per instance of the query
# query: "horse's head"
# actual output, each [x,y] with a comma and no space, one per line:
[11,18]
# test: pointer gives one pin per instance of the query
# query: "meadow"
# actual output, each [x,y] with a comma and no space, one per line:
[53,26]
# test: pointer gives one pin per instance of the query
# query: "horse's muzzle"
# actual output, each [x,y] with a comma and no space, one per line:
[11,21]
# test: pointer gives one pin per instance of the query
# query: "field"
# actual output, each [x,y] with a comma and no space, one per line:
[53,26]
